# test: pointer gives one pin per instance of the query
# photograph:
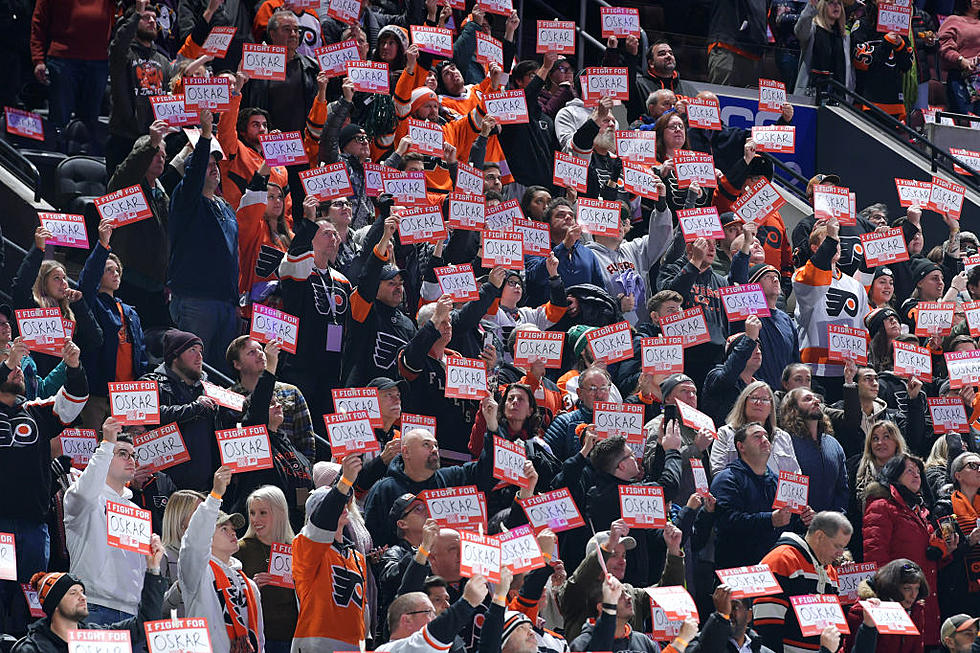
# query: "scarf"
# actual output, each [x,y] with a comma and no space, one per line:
[244,639]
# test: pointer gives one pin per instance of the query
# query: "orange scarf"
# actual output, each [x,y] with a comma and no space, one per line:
[244,639]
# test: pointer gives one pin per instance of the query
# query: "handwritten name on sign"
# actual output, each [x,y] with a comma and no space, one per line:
[368,76]
[351,433]
[171,110]
[612,343]
[612,419]
[934,318]
[245,449]
[690,326]
[694,167]
[262,61]
[849,577]
[8,557]
[775,138]
[948,415]
[846,343]
[705,113]
[508,107]
[348,400]
[333,58]
[124,206]
[327,182]
[501,217]
[746,582]
[792,491]
[620,21]
[456,507]
[701,222]
[817,611]
[571,172]
[466,378]
[67,229]
[218,40]
[503,248]
[889,616]
[674,601]
[421,224]
[637,146]
[211,93]
[963,367]
[555,510]
[128,527]
[662,355]
[508,461]
[283,149]
[178,636]
[24,123]
[273,325]
[79,445]
[99,641]
[519,550]
[546,346]
[912,360]
[640,180]
[479,555]
[536,239]
[161,448]
[135,402]
[772,95]
[912,192]
[742,301]
[458,282]
[408,188]
[281,565]
[555,36]
[599,217]
[466,211]
[884,247]
[642,506]
[42,329]
[759,202]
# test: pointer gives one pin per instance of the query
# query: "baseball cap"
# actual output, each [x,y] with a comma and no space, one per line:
[828,180]
[384,383]
[956,624]
[600,538]
[389,272]
[401,506]
[236,519]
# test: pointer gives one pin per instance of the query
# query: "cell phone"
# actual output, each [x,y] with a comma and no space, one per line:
[487,339]
[670,414]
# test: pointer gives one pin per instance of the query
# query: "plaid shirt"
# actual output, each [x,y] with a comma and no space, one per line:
[297,424]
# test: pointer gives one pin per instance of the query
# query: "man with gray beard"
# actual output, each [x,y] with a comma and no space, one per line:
[595,141]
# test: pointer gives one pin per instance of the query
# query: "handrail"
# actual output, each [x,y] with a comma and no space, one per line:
[828,87]
[794,176]
[21,167]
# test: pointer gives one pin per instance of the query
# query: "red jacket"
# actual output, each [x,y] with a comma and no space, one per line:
[889,643]
[893,530]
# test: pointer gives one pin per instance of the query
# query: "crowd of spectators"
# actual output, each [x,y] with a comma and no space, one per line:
[387,538]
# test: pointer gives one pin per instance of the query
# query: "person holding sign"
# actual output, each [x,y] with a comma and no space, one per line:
[729,626]
[823,293]
[288,102]
[112,576]
[881,61]
[65,605]
[575,597]
[577,263]
[695,279]
[896,525]
[261,225]
[268,525]
[122,356]
[725,382]
[183,401]
[212,582]
[900,581]
[422,364]
[611,631]
[51,280]
[801,565]
[820,455]
[329,573]
[744,492]
[626,263]
[203,270]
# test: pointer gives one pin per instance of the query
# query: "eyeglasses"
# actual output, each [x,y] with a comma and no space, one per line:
[429,611]
[125,454]
[340,203]
[596,388]
[513,283]
[975,466]
[676,127]
[362,138]
[5,324]
[760,400]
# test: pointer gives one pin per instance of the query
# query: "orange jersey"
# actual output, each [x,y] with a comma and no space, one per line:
[329,580]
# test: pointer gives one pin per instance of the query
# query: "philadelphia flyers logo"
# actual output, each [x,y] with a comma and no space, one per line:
[21,431]
[770,237]
[839,300]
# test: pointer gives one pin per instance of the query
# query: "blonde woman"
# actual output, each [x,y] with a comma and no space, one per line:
[756,403]
[825,44]
[883,442]
[937,466]
[180,506]
[44,284]
[268,524]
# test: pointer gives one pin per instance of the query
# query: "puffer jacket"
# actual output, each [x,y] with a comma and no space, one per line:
[892,529]
[886,643]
